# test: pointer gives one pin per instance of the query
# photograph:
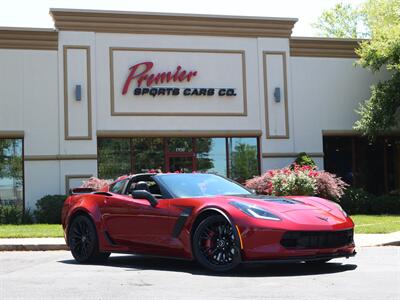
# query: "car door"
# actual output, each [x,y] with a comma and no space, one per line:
[134,222]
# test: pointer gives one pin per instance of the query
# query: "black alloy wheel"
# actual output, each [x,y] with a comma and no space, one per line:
[83,241]
[216,244]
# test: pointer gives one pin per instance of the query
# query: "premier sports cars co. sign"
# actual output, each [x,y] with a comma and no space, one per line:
[147,82]
[177,82]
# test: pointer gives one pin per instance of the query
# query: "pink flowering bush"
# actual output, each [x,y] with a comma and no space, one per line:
[330,186]
[95,183]
[298,180]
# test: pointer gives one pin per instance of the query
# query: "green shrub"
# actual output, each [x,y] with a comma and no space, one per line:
[10,214]
[27,217]
[48,209]
[14,214]
[303,159]
[386,204]
[358,201]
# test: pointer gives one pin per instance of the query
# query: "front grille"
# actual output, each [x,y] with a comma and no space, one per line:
[317,239]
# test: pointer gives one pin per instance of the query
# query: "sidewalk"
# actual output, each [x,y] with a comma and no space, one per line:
[44,244]
[369,240]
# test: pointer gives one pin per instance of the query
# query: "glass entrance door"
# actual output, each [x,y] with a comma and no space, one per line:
[180,155]
[182,164]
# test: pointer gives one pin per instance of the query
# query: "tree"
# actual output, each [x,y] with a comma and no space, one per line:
[380,113]
[380,21]
[342,21]
[244,163]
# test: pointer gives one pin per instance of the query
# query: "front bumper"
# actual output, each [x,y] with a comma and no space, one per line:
[262,244]
[311,258]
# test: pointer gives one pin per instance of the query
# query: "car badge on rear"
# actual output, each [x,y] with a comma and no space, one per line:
[323,219]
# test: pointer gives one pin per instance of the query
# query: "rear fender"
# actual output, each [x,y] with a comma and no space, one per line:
[90,208]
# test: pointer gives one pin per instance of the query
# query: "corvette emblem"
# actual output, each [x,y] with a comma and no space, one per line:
[323,219]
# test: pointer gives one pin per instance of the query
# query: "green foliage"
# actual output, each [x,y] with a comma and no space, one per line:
[380,21]
[244,163]
[358,201]
[295,183]
[14,214]
[11,159]
[303,159]
[380,113]
[48,209]
[342,21]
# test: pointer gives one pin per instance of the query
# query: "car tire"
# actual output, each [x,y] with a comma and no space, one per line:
[216,244]
[83,241]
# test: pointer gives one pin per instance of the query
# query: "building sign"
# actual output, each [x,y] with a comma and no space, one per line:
[177,82]
[141,72]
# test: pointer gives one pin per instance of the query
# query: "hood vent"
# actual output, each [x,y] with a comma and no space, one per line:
[279,200]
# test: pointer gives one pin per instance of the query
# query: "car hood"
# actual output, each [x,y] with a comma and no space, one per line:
[298,209]
[285,204]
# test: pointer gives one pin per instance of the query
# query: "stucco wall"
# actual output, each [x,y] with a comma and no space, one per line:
[317,94]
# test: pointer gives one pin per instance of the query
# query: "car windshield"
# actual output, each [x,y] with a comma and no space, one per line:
[200,185]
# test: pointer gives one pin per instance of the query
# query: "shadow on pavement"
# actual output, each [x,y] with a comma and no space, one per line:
[137,262]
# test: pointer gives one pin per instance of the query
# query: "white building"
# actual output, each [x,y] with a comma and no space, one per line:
[106,93]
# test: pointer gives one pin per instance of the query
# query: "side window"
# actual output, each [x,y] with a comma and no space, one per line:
[118,187]
[152,186]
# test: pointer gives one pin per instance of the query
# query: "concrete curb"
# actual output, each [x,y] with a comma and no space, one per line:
[40,247]
[396,243]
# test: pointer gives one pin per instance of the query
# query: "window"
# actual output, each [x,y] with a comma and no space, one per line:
[148,154]
[211,155]
[11,171]
[373,166]
[237,158]
[119,187]
[243,158]
[114,157]
[338,157]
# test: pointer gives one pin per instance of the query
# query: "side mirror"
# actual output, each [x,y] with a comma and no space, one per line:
[143,194]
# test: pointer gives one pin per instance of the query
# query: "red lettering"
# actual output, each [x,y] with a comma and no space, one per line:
[175,77]
[141,73]
[190,75]
[182,76]
[132,75]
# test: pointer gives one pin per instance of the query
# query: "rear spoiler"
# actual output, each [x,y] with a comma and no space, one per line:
[77,191]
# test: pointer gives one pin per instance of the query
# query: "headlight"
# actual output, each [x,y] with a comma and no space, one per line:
[340,208]
[255,211]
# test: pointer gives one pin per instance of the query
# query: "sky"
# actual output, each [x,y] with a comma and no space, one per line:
[35,13]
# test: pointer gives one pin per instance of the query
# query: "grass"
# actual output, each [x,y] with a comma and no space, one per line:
[31,231]
[364,224]
[376,224]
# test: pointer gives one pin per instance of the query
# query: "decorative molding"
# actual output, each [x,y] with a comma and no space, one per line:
[11,134]
[285,100]
[114,113]
[28,38]
[178,133]
[349,132]
[323,47]
[290,154]
[61,157]
[88,96]
[356,133]
[75,176]
[174,24]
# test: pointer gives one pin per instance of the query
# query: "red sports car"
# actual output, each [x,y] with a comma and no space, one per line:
[204,217]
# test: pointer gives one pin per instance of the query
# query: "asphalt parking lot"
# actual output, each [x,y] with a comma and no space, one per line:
[373,274]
